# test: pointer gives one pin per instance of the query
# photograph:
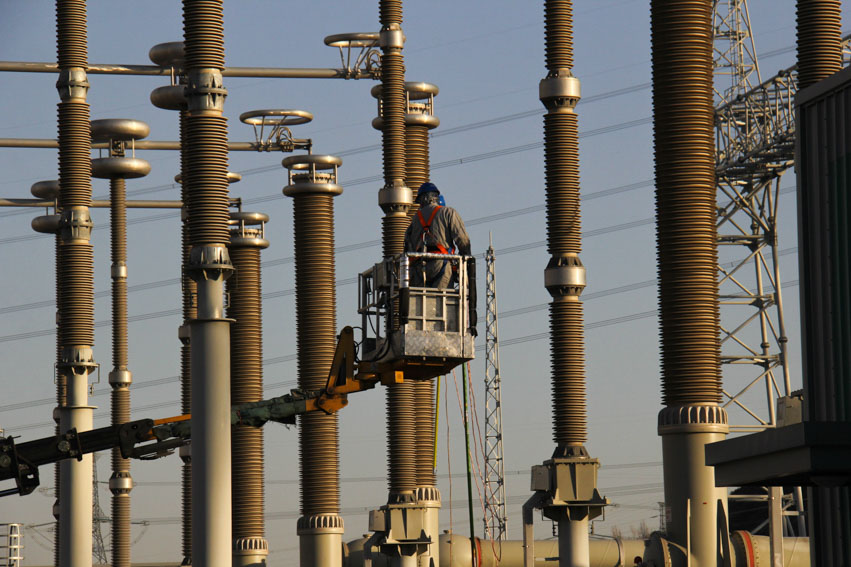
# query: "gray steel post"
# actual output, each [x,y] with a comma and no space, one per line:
[775,524]
[211,428]
[75,502]
[206,182]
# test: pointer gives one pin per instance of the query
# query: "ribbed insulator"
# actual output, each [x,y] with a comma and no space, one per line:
[393,229]
[247,478]
[121,530]
[119,397]
[190,311]
[390,12]
[246,340]
[186,510]
[567,355]
[561,157]
[71,34]
[424,408]
[685,200]
[558,33]
[394,107]
[189,287]
[76,296]
[61,390]
[75,162]
[417,171]
[316,332]
[118,241]
[819,40]
[245,308]
[319,455]
[204,34]
[206,180]
[401,438]
[416,157]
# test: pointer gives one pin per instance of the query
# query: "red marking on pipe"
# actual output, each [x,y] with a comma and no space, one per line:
[477,561]
[746,537]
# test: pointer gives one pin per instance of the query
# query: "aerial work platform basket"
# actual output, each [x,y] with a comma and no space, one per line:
[421,331]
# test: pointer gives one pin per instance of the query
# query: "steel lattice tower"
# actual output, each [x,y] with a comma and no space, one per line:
[495,516]
[754,148]
[98,519]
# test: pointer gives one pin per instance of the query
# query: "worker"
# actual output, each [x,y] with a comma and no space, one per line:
[438,229]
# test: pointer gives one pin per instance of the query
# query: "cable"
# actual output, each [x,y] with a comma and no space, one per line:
[370,179]
[349,247]
[504,315]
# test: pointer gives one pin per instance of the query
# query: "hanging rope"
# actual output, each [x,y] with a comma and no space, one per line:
[475,561]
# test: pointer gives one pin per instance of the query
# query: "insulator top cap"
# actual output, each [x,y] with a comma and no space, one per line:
[119,130]
[248,218]
[45,189]
[354,39]
[417,90]
[169,54]
[303,162]
[276,117]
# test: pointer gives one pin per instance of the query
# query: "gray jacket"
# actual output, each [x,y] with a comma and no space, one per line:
[447,229]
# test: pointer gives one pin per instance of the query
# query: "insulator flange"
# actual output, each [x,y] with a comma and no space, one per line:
[560,91]
[564,276]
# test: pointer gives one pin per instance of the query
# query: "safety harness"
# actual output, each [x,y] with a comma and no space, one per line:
[432,245]
[429,241]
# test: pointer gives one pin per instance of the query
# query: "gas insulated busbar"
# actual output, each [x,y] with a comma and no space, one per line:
[154,438]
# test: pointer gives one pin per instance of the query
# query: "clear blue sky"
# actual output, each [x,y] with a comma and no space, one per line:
[487,59]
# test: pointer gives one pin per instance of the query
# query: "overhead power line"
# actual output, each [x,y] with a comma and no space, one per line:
[348,248]
[359,181]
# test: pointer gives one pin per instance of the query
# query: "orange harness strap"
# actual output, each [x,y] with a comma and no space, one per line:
[427,227]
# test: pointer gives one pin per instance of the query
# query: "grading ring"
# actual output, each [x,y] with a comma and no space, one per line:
[276,117]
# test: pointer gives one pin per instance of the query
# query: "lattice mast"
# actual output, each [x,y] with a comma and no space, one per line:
[754,148]
[495,517]
[98,519]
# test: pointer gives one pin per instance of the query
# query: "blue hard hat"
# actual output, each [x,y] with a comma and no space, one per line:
[428,187]
[441,200]
[425,189]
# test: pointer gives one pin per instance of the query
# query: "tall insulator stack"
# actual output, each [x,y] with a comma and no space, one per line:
[118,167]
[49,224]
[569,494]
[822,260]
[247,239]
[687,267]
[172,97]
[205,178]
[419,119]
[75,269]
[395,198]
[313,186]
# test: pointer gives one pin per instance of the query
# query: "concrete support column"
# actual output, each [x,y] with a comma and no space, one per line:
[211,427]
[573,548]
[75,513]
[696,507]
